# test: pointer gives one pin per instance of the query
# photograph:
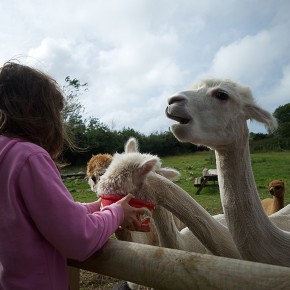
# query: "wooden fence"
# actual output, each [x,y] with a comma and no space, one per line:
[171,269]
[73,175]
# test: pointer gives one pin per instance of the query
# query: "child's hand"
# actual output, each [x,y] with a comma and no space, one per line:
[130,221]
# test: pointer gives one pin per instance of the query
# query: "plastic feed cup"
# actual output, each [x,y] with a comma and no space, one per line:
[108,199]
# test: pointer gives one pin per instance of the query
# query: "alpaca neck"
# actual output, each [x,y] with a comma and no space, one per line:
[168,233]
[213,235]
[237,185]
[278,202]
[171,237]
[256,238]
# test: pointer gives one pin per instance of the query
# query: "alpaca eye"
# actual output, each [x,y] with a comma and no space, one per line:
[94,179]
[221,95]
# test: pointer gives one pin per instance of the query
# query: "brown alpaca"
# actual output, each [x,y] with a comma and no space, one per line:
[277,189]
[96,167]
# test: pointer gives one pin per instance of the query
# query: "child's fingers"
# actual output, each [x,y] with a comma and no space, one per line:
[140,211]
[136,225]
[128,197]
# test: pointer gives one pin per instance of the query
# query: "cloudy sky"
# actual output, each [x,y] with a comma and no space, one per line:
[134,54]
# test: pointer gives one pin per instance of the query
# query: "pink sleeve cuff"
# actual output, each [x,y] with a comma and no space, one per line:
[115,206]
[92,206]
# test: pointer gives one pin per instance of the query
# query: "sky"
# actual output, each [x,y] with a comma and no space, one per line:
[134,54]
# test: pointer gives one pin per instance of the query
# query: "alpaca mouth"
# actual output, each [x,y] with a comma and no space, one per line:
[182,120]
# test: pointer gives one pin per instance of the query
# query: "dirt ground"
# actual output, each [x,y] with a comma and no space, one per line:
[94,281]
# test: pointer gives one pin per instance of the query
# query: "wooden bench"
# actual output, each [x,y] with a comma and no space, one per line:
[208,175]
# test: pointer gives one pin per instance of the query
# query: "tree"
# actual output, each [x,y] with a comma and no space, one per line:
[282,114]
[73,89]
[72,115]
[99,137]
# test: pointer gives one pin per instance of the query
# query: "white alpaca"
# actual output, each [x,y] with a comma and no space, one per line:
[141,174]
[172,232]
[214,113]
[96,167]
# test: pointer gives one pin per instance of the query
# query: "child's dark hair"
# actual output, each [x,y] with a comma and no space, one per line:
[30,107]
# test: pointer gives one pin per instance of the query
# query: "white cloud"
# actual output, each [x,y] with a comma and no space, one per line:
[280,94]
[252,58]
[134,54]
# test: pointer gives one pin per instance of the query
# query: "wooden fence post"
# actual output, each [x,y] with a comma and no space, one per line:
[171,269]
[74,278]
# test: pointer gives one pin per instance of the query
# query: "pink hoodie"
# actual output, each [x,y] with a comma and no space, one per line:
[40,224]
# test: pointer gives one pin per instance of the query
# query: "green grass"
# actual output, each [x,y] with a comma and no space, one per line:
[266,167]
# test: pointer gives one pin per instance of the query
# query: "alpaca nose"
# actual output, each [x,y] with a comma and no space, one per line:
[176,99]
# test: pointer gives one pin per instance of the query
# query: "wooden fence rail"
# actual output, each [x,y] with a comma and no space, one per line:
[76,175]
[171,269]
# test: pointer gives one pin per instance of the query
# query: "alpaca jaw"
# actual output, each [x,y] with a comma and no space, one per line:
[177,110]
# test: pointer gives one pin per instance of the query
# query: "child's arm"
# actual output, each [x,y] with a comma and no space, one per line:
[67,225]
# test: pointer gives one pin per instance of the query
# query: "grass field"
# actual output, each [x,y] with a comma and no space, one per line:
[266,167]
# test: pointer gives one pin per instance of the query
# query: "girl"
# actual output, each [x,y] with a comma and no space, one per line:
[40,224]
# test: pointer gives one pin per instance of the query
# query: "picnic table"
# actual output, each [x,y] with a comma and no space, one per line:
[208,175]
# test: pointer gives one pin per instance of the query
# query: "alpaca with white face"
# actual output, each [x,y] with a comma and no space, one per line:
[214,113]
[142,175]
[96,167]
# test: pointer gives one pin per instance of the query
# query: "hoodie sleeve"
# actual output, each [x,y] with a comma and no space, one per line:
[92,206]
[69,226]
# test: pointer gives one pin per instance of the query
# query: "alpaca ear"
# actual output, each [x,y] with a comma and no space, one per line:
[256,113]
[168,173]
[131,145]
[148,165]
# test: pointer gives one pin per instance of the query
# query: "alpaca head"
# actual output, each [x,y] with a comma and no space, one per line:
[128,171]
[277,188]
[214,113]
[96,167]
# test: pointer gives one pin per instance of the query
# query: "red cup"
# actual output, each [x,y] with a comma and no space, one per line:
[108,199]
